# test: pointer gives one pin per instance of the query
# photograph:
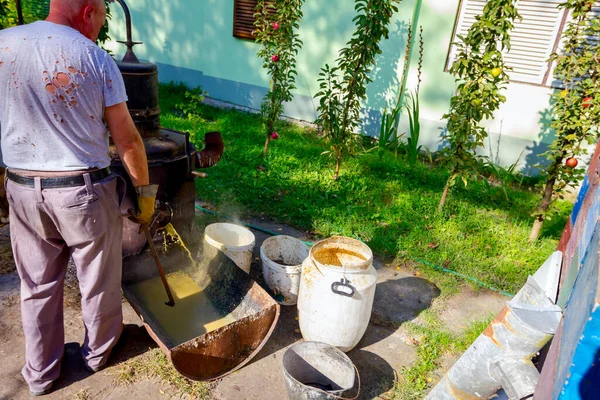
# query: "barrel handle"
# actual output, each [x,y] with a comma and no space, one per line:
[339,397]
[345,283]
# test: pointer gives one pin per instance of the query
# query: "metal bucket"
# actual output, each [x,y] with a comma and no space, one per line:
[282,258]
[221,318]
[315,370]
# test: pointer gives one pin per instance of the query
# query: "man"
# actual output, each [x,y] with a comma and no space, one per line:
[58,89]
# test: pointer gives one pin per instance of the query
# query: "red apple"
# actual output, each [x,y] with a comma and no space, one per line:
[275,25]
[275,58]
[274,135]
[571,162]
[587,102]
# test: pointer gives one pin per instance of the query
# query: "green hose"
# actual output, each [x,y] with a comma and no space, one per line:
[427,263]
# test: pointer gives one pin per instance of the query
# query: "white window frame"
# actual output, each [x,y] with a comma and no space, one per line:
[544,78]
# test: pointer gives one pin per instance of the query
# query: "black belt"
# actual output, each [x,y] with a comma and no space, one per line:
[59,181]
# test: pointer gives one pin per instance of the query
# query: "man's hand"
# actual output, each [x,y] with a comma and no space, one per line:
[146,197]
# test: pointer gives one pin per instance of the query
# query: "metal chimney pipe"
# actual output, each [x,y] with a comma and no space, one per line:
[19,12]
[129,57]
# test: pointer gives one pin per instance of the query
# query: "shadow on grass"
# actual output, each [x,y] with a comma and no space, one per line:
[386,203]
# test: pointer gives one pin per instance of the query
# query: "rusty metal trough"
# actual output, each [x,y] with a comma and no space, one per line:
[212,354]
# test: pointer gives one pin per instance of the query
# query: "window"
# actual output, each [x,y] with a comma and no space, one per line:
[243,18]
[533,39]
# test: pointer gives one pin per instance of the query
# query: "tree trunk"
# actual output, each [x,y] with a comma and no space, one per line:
[337,166]
[270,122]
[266,149]
[542,208]
[269,130]
[445,193]
[537,227]
[444,196]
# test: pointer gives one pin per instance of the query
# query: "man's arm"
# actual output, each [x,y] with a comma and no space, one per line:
[128,143]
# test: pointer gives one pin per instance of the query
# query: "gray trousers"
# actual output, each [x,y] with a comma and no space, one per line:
[47,227]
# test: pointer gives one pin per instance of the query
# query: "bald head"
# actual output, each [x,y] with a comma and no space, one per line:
[86,16]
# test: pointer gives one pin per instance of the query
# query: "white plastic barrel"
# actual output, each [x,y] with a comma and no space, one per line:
[282,258]
[336,294]
[235,241]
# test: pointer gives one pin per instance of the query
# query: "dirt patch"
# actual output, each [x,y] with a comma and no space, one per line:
[469,306]
[7,264]
[10,300]
[72,296]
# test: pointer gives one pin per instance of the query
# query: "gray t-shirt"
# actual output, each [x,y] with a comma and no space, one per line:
[54,87]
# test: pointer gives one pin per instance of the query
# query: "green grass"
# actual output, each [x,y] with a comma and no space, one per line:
[415,380]
[471,333]
[388,204]
[434,342]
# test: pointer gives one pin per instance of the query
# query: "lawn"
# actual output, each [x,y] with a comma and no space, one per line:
[386,203]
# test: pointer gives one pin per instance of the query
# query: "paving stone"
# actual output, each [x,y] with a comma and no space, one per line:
[469,306]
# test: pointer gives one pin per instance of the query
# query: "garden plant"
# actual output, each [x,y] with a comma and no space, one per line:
[413,149]
[389,137]
[481,75]
[576,108]
[277,23]
[3,13]
[343,87]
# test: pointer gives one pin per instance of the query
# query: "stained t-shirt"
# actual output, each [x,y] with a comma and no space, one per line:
[54,86]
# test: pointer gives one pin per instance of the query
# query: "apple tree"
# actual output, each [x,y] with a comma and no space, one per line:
[277,23]
[344,86]
[576,107]
[481,75]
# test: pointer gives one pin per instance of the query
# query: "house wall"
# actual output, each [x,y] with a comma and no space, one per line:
[192,41]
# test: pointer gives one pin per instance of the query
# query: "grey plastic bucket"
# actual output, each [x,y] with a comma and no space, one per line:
[315,370]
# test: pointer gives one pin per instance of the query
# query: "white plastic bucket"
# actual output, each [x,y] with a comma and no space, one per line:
[336,292]
[235,241]
[282,258]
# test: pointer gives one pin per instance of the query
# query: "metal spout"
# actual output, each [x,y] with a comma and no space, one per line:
[130,56]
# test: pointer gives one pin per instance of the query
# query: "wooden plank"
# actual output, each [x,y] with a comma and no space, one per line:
[580,341]
[565,237]
[543,389]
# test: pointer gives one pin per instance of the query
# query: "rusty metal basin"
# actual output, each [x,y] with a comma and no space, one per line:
[244,314]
